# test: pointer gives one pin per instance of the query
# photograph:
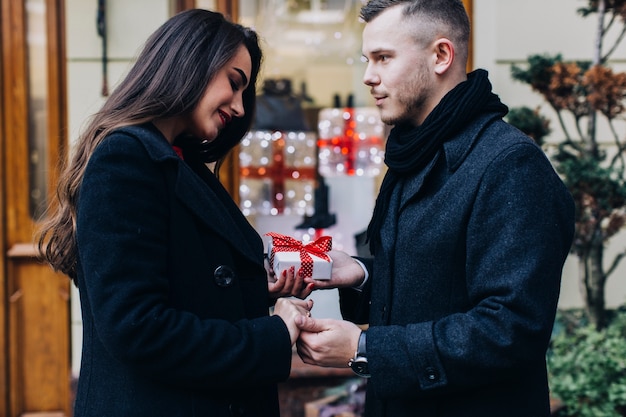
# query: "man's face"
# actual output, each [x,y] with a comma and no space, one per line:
[399,70]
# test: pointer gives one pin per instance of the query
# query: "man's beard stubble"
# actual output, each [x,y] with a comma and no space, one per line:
[410,100]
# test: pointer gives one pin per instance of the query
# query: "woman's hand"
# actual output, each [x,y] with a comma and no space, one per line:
[289,310]
[287,284]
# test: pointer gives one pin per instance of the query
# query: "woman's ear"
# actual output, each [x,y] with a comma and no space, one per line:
[444,50]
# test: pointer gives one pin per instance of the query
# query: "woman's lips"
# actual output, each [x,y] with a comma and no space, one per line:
[225,117]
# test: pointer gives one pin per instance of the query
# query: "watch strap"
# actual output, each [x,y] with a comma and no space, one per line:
[361,349]
[359,364]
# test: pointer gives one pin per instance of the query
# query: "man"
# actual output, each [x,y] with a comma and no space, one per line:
[469,235]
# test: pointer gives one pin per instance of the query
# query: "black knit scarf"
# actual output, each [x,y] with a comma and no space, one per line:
[409,149]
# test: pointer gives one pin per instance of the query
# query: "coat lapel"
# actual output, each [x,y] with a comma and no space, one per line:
[210,202]
[412,185]
[204,196]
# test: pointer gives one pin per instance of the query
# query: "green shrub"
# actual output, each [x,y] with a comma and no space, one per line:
[530,122]
[587,367]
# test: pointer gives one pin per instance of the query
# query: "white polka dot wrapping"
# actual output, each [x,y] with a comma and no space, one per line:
[319,247]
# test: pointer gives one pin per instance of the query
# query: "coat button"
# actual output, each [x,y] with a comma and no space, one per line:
[224,276]
[432,374]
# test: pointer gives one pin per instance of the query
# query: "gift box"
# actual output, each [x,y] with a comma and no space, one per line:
[310,258]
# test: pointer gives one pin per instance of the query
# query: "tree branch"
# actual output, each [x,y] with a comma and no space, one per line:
[619,156]
[597,58]
[615,45]
[562,123]
[616,262]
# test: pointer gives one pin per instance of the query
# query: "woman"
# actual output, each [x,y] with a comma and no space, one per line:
[173,289]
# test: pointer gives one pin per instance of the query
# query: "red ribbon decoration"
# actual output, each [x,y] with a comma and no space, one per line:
[319,247]
[349,143]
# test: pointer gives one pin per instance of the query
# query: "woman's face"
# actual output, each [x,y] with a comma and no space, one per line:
[223,98]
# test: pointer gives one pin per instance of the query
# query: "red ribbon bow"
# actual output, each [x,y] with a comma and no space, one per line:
[319,247]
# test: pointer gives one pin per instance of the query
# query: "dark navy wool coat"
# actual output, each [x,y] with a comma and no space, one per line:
[464,290]
[173,290]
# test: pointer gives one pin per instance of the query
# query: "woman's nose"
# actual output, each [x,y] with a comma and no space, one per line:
[237,106]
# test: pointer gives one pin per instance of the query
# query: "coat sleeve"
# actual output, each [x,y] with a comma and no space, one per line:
[122,237]
[518,234]
[354,304]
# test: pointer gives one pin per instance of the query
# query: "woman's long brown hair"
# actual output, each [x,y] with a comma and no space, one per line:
[168,79]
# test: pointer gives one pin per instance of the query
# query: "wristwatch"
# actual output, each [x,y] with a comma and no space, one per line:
[358,364]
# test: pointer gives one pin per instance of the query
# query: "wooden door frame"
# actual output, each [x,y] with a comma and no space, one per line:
[229,171]
[469,6]
[19,223]
[180,5]
[34,307]
[12,61]
[4,373]
[230,8]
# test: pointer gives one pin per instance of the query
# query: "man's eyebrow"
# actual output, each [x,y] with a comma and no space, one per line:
[375,52]
[243,76]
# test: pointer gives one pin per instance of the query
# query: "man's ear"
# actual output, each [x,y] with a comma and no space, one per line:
[444,50]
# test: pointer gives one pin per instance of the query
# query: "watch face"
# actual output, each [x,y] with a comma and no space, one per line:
[360,367]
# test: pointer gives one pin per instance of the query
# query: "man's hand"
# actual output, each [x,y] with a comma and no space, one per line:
[346,272]
[327,342]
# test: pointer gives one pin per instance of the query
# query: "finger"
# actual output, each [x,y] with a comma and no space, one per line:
[308,324]
[280,279]
[288,277]
[305,304]
[268,268]
[301,309]
[299,283]
[277,286]
[303,352]
[274,287]
[320,284]
[306,291]
[282,287]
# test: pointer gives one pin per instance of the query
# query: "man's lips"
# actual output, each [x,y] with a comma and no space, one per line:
[379,99]
[225,117]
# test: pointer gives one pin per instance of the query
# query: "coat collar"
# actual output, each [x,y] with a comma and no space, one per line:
[455,151]
[204,196]
[459,147]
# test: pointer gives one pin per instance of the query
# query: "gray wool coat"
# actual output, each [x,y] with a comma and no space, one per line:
[173,290]
[461,298]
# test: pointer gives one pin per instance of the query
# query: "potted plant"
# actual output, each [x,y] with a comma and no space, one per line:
[581,93]
[587,356]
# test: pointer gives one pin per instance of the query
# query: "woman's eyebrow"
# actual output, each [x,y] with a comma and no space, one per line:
[243,76]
